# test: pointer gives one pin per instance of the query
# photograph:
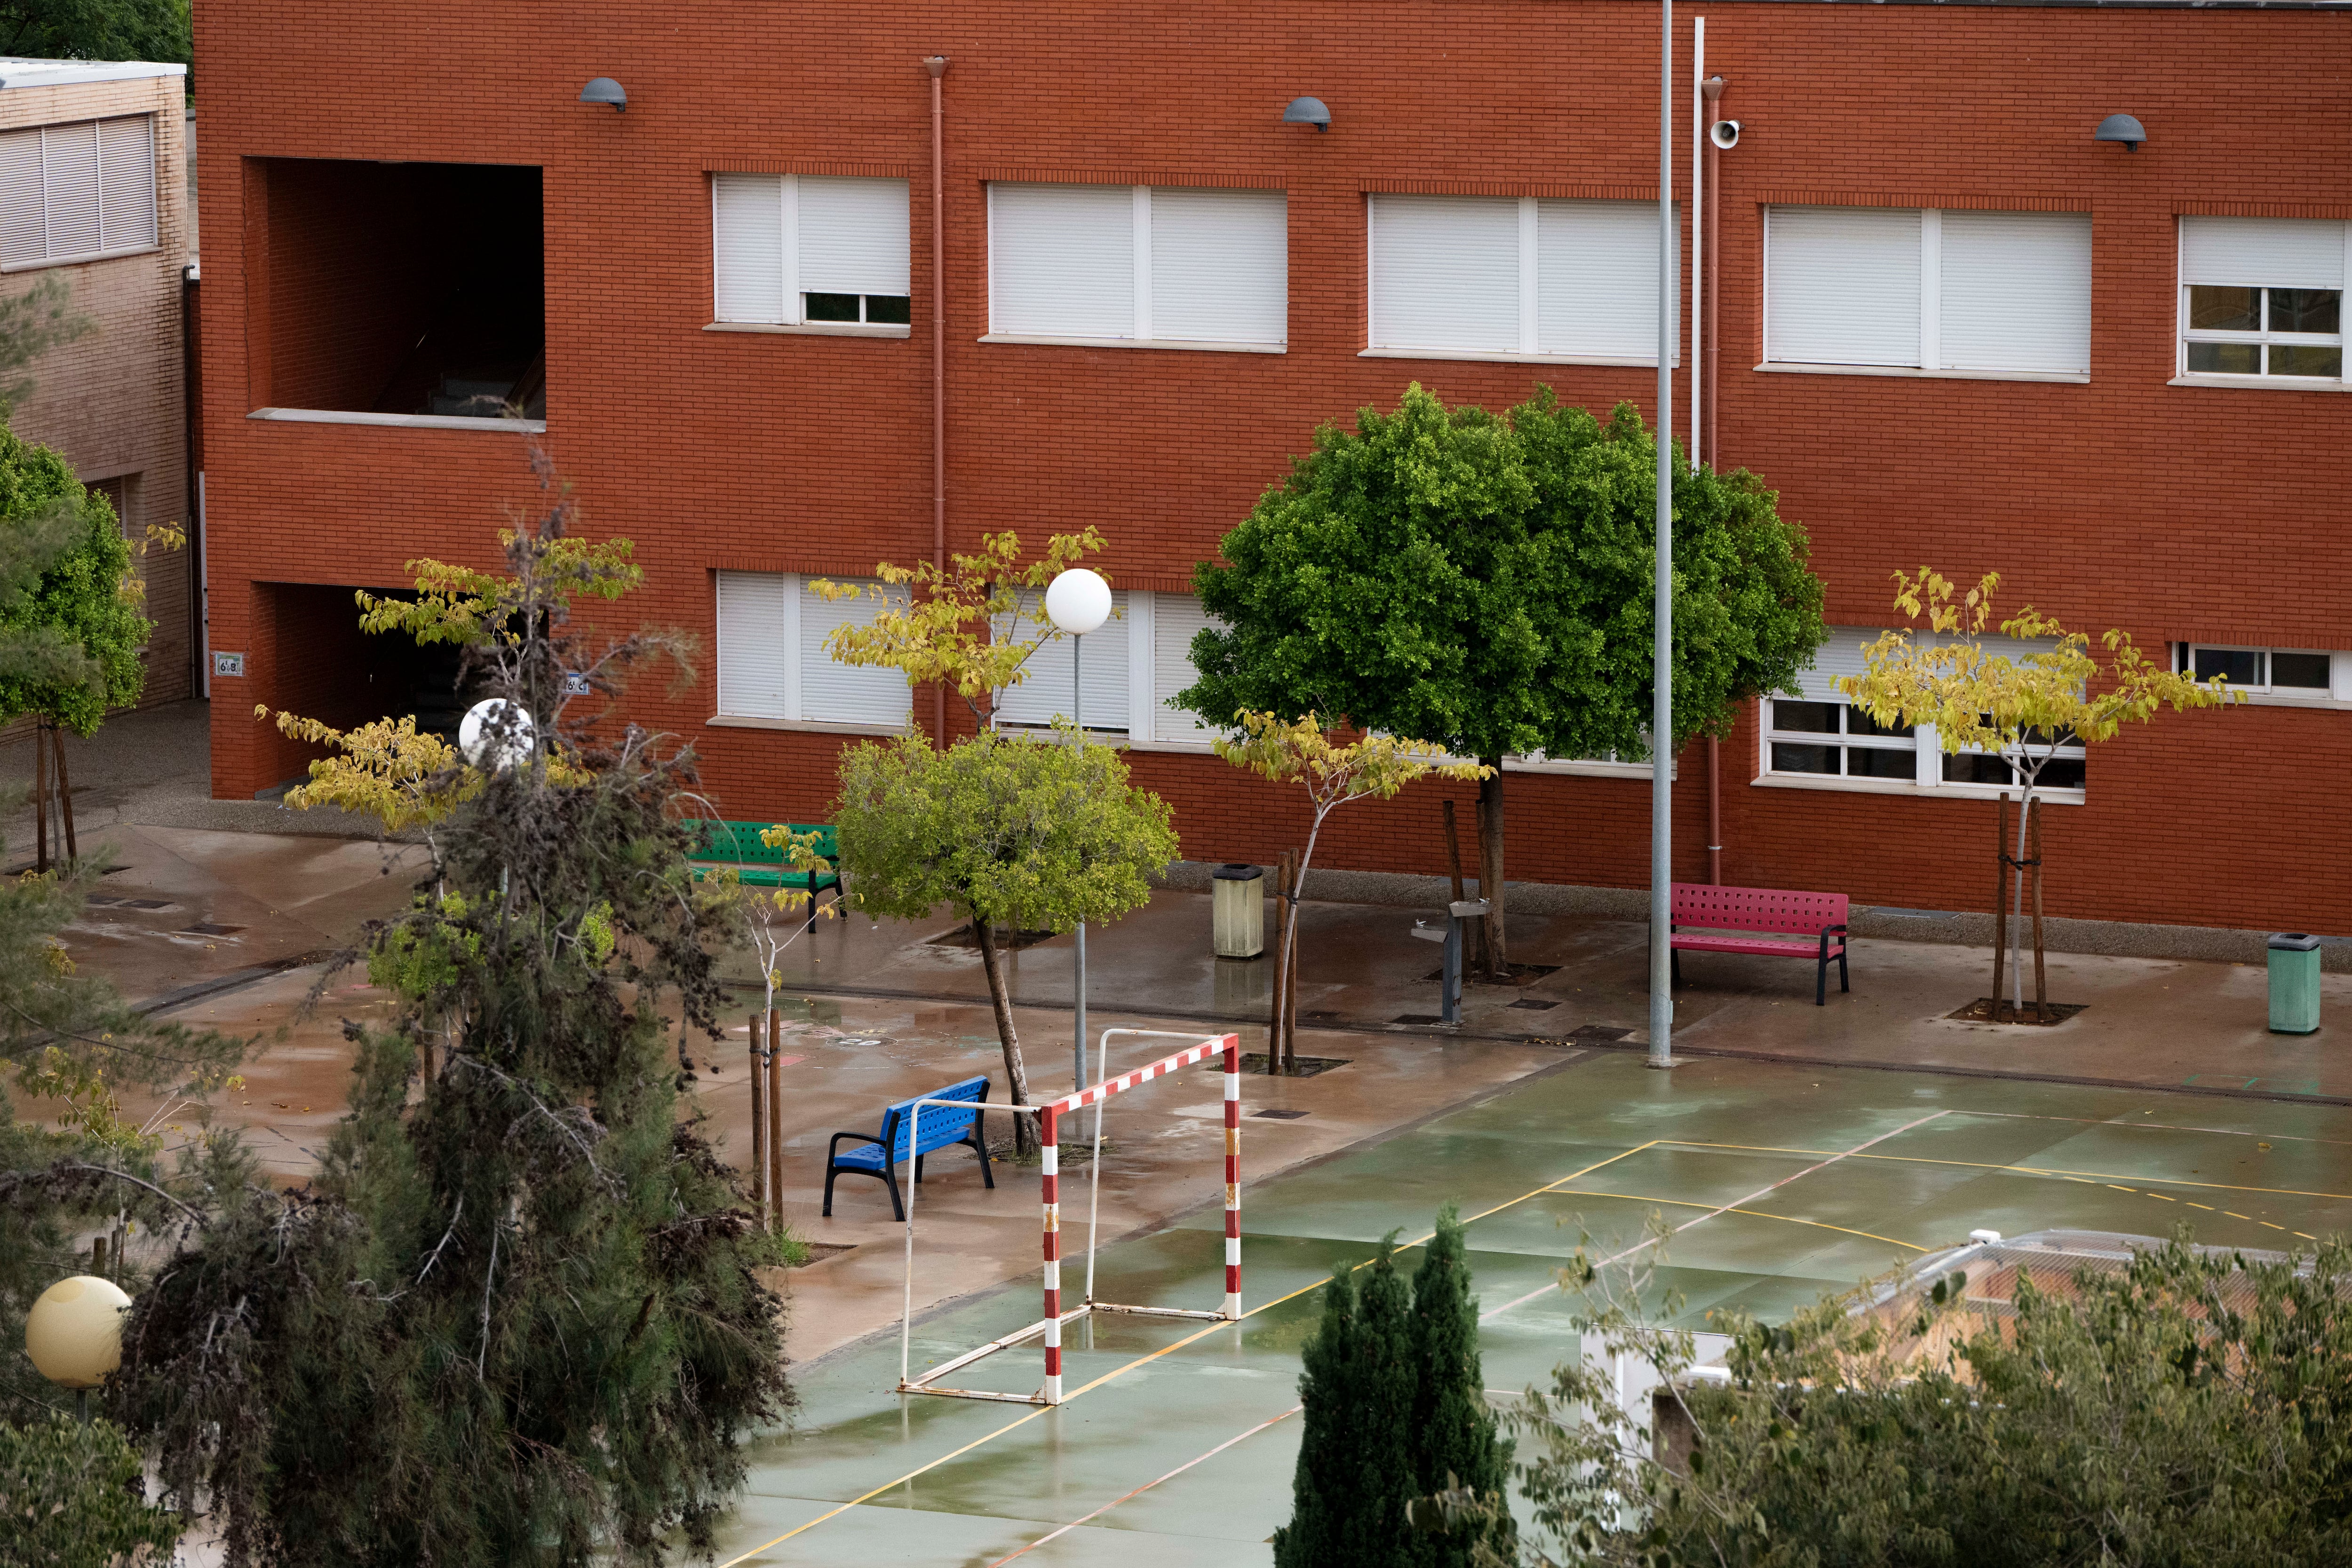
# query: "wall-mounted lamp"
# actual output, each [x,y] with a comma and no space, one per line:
[604,89]
[1307,112]
[2121,128]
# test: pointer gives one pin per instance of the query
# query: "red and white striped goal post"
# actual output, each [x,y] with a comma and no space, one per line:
[1049,1114]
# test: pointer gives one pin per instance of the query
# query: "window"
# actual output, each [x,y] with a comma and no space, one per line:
[1516,277]
[1139,265]
[1102,664]
[2263,297]
[772,665]
[69,192]
[1819,738]
[1940,292]
[797,250]
[2277,672]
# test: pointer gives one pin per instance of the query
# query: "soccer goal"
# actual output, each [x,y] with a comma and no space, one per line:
[1053,1119]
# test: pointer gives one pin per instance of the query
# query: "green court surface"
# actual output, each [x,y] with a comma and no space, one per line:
[1175,1448]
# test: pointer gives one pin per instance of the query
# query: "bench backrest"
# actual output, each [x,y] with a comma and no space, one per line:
[908,1130]
[1756,908]
[738,844]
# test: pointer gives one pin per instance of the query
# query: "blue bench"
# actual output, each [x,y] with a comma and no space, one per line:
[911,1132]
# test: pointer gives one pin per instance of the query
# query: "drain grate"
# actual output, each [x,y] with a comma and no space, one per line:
[1416,1020]
[1279,1115]
[207,928]
[1600,1033]
[1530,1004]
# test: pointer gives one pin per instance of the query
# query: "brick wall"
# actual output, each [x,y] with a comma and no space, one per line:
[113,400]
[2172,512]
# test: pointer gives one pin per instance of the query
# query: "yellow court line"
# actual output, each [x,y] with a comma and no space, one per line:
[2029,1170]
[2151,1126]
[1144,1360]
[1752,1213]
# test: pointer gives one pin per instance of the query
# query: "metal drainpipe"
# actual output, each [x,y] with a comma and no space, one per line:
[938,66]
[1711,89]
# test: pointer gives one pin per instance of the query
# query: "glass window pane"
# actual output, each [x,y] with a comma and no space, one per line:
[2305,359]
[1976,767]
[2213,308]
[2062,773]
[2226,358]
[2306,671]
[2040,737]
[1860,723]
[2306,310]
[1869,762]
[1789,759]
[832,307]
[2243,667]
[889,307]
[1807,718]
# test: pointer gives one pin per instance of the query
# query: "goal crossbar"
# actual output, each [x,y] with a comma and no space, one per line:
[1048,1326]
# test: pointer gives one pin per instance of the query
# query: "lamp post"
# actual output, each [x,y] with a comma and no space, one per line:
[1078,601]
[1661,709]
[74,1333]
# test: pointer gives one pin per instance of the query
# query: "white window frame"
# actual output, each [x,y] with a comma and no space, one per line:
[2337,694]
[795,307]
[795,585]
[1928,754]
[1931,324]
[104,251]
[1530,317]
[1140,198]
[2184,335]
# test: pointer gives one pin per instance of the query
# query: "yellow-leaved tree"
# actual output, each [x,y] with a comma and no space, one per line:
[1301,751]
[2022,708]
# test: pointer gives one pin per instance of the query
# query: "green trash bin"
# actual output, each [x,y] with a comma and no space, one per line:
[2294,983]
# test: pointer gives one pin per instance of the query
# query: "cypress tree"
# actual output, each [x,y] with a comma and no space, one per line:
[1454,1432]
[1322,1489]
[1355,1456]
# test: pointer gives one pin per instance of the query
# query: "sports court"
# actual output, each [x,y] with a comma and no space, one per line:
[1176,1441]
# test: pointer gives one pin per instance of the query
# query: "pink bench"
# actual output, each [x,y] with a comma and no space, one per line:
[1819,918]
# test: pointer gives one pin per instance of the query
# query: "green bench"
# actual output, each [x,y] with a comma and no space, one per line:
[736,846]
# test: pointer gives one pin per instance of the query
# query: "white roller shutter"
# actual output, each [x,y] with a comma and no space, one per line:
[22,226]
[1841,654]
[747,244]
[2016,291]
[127,163]
[1045,696]
[1597,289]
[1220,265]
[1176,619]
[835,693]
[754,641]
[70,156]
[1841,285]
[1061,260]
[2274,253]
[854,236]
[1445,273]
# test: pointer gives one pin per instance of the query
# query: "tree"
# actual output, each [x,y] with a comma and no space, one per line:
[1374,767]
[1356,1464]
[72,1496]
[2191,1408]
[1456,1444]
[515,1319]
[1012,832]
[1484,584]
[98,29]
[2021,709]
[72,609]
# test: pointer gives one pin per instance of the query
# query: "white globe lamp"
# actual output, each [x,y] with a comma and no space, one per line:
[496,735]
[74,1332]
[1078,601]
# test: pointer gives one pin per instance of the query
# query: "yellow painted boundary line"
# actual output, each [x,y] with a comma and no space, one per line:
[2029,1170]
[2155,1126]
[1155,1355]
[1751,1213]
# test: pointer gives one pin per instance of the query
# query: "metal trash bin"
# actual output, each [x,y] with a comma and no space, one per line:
[2294,983]
[1237,911]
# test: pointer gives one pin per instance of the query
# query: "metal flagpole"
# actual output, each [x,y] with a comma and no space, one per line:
[1662,707]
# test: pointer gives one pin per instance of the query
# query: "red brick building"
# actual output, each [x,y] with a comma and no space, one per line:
[1946,325]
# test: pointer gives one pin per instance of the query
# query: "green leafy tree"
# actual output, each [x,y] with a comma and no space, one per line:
[515,1319]
[1484,584]
[1012,832]
[72,616]
[97,30]
[1454,1440]
[72,1495]
[1356,1463]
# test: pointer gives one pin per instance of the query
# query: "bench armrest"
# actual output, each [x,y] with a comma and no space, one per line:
[834,1146]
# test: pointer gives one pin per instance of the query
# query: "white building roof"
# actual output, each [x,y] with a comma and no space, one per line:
[16,71]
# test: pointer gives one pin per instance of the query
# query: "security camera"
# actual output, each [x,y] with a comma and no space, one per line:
[1724,133]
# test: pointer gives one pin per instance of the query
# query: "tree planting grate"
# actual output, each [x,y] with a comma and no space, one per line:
[1254,1063]
[1598,1033]
[1416,1020]
[1985,1011]
[208,928]
[1278,1115]
[1534,1005]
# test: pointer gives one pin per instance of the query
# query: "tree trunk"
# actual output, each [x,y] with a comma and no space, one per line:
[2016,915]
[1283,908]
[1490,866]
[2000,901]
[2040,984]
[1024,1135]
[1476,957]
[65,793]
